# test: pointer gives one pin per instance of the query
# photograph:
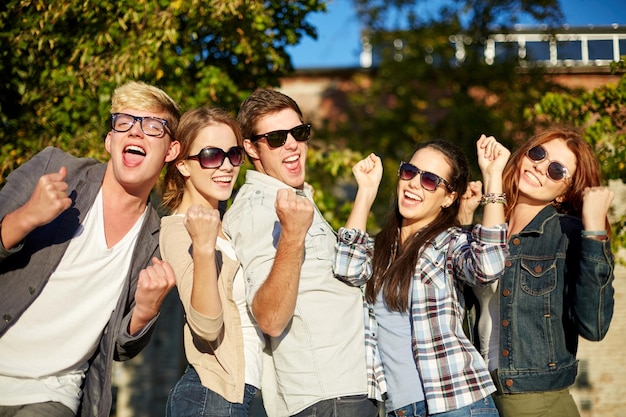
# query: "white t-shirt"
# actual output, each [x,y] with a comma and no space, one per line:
[43,357]
[252,335]
[488,334]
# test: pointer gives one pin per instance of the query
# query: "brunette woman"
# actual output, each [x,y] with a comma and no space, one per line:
[417,351]
[223,345]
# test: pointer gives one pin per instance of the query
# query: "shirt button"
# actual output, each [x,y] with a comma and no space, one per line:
[31,290]
[508,263]
[516,241]
[538,269]
[505,323]
[505,352]
[7,317]
[506,293]
[509,382]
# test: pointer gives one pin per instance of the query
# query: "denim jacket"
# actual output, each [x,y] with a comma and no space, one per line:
[556,286]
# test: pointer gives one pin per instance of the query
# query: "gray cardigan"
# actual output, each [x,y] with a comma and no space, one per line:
[25,270]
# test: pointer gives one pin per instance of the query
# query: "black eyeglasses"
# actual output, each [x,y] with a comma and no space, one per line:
[556,170]
[278,138]
[151,126]
[215,157]
[428,180]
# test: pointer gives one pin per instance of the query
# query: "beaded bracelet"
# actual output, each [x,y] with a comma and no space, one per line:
[493,198]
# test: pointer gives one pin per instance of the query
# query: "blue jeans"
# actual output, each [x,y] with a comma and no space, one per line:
[481,408]
[350,406]
[189,398]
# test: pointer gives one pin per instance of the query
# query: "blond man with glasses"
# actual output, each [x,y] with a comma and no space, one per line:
[80,280]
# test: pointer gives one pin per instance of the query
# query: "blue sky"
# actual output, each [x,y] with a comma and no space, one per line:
[338,30]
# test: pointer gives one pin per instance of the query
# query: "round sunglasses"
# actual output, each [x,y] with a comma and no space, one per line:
[278,138]
[215,157]
[428,180]
[556,170]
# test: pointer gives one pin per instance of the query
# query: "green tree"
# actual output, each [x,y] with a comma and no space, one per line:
[422,87]
[61,60]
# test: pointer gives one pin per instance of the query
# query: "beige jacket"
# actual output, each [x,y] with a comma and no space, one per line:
[213,345]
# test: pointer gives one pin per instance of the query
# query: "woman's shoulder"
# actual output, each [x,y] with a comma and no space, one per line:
[570,225]
[172,220]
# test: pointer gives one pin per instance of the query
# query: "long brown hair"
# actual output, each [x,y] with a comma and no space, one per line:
[587,172]
[191,123]
[394,263]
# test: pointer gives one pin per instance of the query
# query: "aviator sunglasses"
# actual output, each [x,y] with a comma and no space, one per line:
[278,138]
[428,180]
[215,157]
[556,171]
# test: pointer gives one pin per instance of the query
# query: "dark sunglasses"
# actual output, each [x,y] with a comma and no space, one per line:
[278,138]
[428,180]
[215,157]
[556,170]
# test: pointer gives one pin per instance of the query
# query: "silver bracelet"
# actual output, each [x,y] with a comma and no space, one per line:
[493,198]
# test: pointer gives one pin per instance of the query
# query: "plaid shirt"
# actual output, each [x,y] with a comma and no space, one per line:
[453,373]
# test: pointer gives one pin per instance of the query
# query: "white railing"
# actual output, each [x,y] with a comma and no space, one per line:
[566,47]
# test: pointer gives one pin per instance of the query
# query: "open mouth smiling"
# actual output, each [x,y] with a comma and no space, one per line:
[135,150]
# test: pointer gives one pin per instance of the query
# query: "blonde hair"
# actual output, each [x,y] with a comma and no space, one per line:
[141,96]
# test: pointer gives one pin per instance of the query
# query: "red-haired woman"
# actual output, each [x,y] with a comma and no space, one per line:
[557,284]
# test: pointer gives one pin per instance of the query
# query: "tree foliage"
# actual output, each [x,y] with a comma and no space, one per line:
[61,60]
[423,87]
[475,16]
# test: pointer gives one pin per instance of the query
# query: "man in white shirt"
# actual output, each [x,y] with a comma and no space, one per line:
[286,248]
[80,281]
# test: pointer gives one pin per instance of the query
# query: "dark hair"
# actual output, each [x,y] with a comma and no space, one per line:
[587,172]
[261,103]
[393,273]
[191,123]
